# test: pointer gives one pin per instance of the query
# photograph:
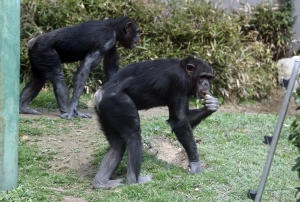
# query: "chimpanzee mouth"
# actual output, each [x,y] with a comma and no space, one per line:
[201,94]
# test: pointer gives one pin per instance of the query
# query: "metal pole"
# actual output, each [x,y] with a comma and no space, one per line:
[9,92]
[277,131]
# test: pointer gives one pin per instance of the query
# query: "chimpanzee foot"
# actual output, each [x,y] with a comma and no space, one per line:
[109,185]
[75,115]
[27,110]
[145,179]
[195,167]
[64,115]
[82,115]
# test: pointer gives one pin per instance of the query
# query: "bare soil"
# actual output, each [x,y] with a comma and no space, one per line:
[75,149]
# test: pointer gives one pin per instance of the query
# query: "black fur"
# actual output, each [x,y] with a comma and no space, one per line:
[284,83]
[144,85]
[89,43]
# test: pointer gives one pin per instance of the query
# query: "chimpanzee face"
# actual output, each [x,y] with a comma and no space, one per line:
[202,86]
[200,74]
[131,35]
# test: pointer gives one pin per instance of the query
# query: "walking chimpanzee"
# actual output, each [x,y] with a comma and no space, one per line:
[143,85]
[89,43]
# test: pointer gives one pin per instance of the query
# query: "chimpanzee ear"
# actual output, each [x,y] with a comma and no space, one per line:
[190,68]
[127,27]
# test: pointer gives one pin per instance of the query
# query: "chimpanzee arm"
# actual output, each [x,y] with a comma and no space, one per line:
[81,76]
[197,115]
[211,105]
[179,122]
[111,63]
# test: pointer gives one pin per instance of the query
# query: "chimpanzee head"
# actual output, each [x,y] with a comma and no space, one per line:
[200,74]
[129,33]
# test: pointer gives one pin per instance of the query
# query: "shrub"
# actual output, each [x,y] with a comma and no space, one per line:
[272,25]
[243,66]
[294,133]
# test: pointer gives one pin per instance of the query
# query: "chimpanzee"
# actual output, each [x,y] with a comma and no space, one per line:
[143,85]
[89,43]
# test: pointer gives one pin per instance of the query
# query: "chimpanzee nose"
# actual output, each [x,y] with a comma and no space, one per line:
[205,83]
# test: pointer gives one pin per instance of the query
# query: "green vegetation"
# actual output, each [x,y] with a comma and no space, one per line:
[230,145]
[272,27]
[239,47]
[46,99]
[294,134]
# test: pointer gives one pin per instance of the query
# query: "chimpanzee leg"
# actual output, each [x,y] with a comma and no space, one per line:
[109,164]
[120,121]
[130,130]
[81,76]
[134,158]
[116,151]
[134,146]
[61,93]
[30,91]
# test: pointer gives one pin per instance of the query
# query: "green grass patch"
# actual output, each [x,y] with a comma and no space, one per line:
[230,145]
[46,99]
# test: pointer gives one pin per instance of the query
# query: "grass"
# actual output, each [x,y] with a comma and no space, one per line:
[46,99]
[230,145]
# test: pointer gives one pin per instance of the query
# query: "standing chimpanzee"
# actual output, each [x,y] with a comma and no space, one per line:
[144,85]
[88,43]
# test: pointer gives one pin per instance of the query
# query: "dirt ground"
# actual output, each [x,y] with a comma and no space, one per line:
[68,145]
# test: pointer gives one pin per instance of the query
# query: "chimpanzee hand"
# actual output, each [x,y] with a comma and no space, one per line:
[211,103]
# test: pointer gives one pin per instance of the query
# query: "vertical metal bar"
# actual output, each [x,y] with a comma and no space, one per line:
[9,92]
[277,131]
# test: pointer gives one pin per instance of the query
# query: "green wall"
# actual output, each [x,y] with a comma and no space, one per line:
[9,92]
